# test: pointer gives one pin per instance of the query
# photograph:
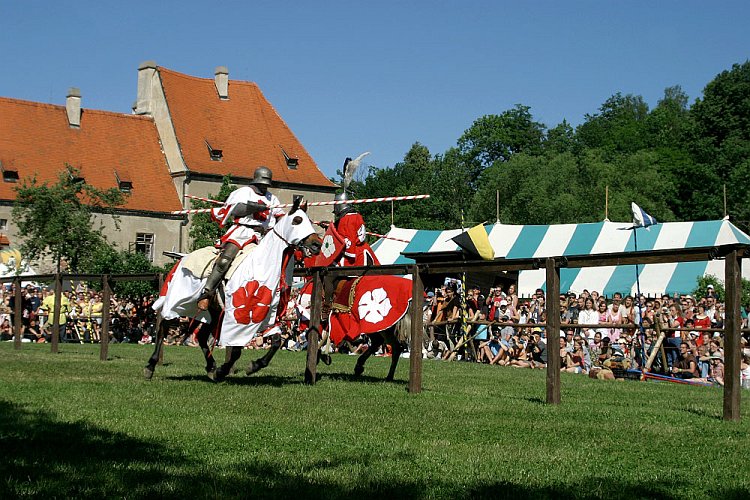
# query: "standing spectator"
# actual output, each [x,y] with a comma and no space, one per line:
[614,316]
[603,318]
[512,298]
[701,319]
[48,305]
[571,309]
[588,316]
[493,301]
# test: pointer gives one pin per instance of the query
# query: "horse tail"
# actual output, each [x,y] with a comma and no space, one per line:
[403,327]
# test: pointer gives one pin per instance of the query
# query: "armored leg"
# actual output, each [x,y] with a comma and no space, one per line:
[221,266]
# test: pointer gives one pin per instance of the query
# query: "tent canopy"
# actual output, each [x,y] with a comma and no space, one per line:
[530,241]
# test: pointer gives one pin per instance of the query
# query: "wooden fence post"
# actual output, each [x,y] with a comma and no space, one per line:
[104,335]
[55,314]
[17,313]
[417,332]
[732,333]
[160,283]
[553,331]
[316,306]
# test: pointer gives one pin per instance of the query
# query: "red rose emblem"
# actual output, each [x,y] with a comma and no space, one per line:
[252,303]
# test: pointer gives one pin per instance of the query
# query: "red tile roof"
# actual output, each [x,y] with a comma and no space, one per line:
[245,127]
[36,139]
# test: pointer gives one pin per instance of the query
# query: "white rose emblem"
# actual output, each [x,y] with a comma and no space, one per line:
[328,246]
[374,305]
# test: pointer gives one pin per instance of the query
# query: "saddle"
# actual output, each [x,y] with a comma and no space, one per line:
[201,261]
[343,295]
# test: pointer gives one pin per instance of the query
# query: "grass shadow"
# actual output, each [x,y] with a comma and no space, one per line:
[49,458]
[350,377]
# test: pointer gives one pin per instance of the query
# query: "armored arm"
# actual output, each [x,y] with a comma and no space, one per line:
[247,208]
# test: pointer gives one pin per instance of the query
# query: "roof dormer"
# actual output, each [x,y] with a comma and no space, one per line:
[214,154]
[124,184]
[10,174]
[291,161]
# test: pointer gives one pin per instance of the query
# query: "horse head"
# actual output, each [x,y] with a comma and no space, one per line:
[297,229]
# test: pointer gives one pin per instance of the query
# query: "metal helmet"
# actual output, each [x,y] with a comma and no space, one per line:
[342,208]
[262,175]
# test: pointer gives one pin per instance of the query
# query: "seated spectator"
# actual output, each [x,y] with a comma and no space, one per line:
[745,371]
[605,352]
[685,366]
[33,333]
[717,370]
[6,332]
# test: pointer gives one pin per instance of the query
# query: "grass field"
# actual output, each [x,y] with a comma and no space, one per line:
[72,426]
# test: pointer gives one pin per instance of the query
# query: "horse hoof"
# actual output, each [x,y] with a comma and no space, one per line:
[359,370]
[217,375]
[326,359]
[148,373]
[253,367]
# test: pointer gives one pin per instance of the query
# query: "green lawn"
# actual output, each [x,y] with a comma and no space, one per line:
[73,426]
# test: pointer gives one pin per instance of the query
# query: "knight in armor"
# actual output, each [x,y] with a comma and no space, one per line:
[351,226]
[248,214]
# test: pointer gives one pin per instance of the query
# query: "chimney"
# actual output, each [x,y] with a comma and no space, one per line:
[221,79]
[73,107]
[145,99]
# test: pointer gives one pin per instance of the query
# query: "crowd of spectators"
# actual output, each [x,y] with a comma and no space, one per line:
[601,336]
[131,319]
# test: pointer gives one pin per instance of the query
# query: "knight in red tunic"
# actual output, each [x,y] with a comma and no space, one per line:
[350,225]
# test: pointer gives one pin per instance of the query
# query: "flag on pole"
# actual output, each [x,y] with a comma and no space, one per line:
[476,242]
[641,218]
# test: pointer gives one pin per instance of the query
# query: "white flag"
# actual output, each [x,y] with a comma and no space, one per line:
[641,218]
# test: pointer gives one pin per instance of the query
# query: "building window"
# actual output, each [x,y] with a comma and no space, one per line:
[291,161]
[123,183]
[214,154]
[3,224]
[10,174]
[144,243]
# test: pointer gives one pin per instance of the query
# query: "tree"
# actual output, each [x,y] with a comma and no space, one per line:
[203,230]
[56,220]
[565,188]
[722,136]
[619,127]
[494,138]
[108,260]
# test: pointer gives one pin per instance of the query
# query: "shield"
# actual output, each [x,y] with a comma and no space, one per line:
[333,245]
[371,304]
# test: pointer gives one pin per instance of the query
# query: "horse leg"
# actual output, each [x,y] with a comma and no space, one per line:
[263,361]
[396,350]
[202,337]
[233,354]
[148,371]
[376,340]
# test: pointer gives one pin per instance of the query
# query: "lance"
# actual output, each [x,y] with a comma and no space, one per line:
[320,203]
[326,223]
[208,200]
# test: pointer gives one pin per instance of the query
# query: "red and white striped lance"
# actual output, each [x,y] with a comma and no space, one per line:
[208,200]
[320,203]
[326,223]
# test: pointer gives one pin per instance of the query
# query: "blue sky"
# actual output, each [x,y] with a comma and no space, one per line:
[378,76]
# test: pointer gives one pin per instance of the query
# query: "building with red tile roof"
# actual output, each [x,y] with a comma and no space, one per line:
[212,127]
[185,135]
[110,150]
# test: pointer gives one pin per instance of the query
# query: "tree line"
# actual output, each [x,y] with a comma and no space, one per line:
[675,160]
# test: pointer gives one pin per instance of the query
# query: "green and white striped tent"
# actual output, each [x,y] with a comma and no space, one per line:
[530,241]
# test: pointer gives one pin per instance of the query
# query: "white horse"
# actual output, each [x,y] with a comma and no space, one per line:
[249,298]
